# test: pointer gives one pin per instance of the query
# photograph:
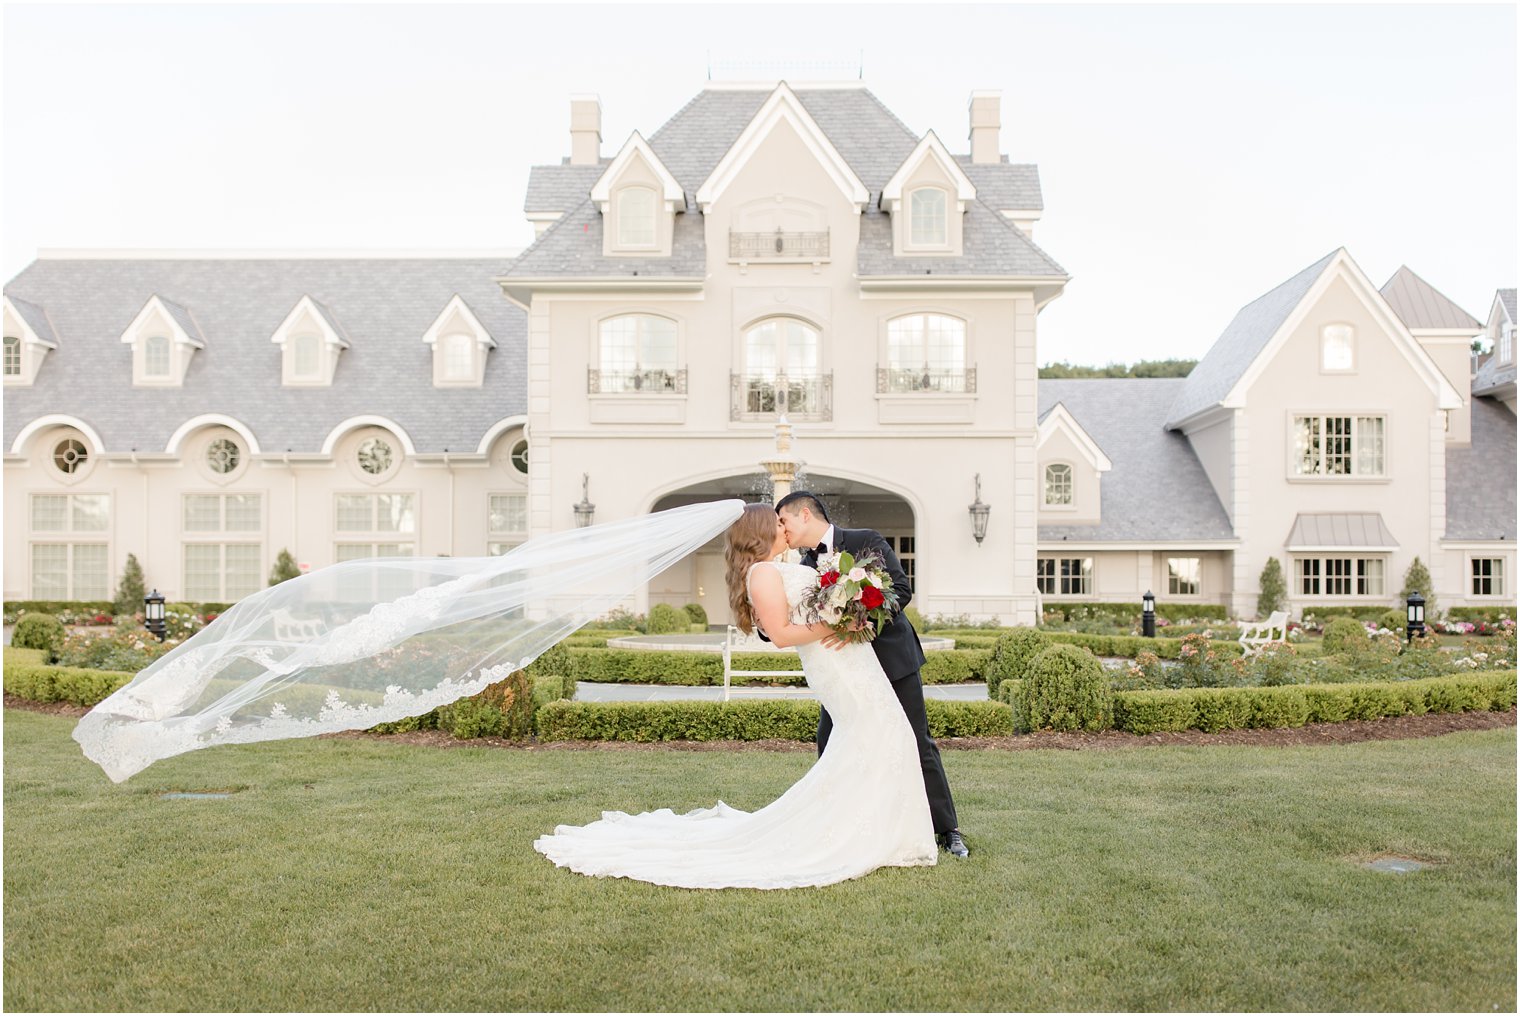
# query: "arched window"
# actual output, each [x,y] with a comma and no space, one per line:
[156,356]
[638,354]
[458,363]
[307,355]
[781,362]
[927,223]
[1058,484]
[926,353]
[1337,348]
[635,215]
[223,455]
[12,356]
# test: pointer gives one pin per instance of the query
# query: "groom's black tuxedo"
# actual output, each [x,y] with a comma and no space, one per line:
[901,656]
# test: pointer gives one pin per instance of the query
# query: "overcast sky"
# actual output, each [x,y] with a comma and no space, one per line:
[1191,157]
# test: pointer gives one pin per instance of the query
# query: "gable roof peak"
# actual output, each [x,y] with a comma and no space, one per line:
[636,147]
[930,147]
[783,105]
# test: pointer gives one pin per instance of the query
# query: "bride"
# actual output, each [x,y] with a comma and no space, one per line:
[861,807]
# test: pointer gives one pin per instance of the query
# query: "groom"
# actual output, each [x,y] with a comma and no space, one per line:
[897,648]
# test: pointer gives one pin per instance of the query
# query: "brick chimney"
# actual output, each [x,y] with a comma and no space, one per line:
[986,118]
[585,130]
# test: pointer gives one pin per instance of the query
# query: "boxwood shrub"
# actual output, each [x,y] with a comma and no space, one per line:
[751,720]
[641,666]
[1491,615]
[77,685]
[1066,688]
[1144,712]
[39,631]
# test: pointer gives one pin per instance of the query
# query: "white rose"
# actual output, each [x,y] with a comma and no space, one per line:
[856,574]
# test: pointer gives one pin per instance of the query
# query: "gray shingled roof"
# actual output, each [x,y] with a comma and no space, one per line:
[384,307]
[1420,305]
[1493,374]
[1480,480]
[1005,185]
[1157,489]
[558,188]
[692,142]
[36,318]
[183,318]
[1507,297]
[1236,349]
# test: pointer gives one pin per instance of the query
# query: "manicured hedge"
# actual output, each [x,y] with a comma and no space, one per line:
[107,607]
[739,721]
[1359,612]
[641,666]
[1169,611]
[1491,615]
[1131,646]
[42,683]
[1213,709]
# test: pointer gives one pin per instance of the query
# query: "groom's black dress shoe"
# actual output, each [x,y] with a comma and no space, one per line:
[952,842]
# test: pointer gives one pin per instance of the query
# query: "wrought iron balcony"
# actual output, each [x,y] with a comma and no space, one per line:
[778,246]
[654,381]
[762,396]
[902,379]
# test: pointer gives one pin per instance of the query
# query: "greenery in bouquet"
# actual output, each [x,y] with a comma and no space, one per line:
[853,596]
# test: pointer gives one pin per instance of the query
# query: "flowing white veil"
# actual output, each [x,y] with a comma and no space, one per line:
[377,640]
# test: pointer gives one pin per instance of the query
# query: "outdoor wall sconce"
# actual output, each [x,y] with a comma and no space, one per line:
[585,511]
[979,513]
[1416,608]
[1148,615]
[153,614]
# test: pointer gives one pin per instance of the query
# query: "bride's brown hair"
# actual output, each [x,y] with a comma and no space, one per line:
[747,541]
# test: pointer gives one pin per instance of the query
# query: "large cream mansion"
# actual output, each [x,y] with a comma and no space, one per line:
[769,250]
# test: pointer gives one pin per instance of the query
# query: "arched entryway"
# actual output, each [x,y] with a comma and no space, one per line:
[852,504]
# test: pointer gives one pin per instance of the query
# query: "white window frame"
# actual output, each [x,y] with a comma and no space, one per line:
[1352,576]
[1062,578]
[912,238]
[374,534]
[1506,351]
[499,539]
[1361,432]
[1337,329]
[1071,486]
[223,592]
[620,206]
[69,537]
[656,377]
[1494,577]
[1177,579]
[15,353]
[148,345]
[297,342]
[454,368]
[943,377]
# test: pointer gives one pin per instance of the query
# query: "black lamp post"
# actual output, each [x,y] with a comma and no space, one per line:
[979,512]
[1416,608]
[585,511]
[1148,615]
[153,614]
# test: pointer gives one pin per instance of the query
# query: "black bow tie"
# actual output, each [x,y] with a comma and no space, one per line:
[820,550]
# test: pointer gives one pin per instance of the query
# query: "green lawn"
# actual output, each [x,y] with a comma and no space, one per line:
[369,875]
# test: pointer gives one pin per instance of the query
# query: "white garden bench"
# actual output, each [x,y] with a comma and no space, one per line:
[736,640]
[1257,635]
[289,628]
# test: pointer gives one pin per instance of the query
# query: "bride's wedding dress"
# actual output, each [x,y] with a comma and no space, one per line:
[861,807]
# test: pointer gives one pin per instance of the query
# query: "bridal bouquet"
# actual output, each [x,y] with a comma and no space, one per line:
[853,596]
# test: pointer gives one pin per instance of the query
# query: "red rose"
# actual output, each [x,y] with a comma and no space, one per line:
[871,597]
[827,579]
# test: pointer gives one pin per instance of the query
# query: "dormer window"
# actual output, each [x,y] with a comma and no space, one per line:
[635,217]
[927,198]
[457,359]
[1058,484]
[1506,348]
[29,336]
[1337,349]
[307,353]
[460,344]
[310,340]
[163,336]
[928,225]
[639,200]
[156,356]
